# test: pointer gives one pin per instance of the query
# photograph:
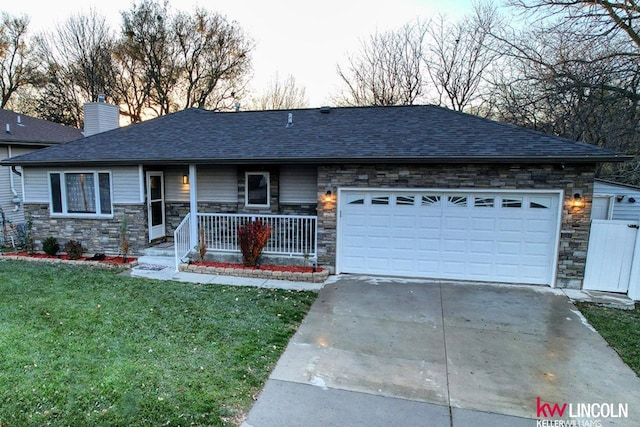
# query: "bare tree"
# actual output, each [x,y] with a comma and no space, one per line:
[214,57]
[281,94]
[573,72]
[77,64]
[460,54]
[131,87]
[592,22]
[147,32]
[609,17]
[17,65]
[387,70]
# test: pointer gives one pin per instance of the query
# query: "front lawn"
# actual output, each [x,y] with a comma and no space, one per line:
[621,329]
[83,346]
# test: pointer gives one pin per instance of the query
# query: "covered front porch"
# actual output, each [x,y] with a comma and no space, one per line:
[221,199]
[293,236]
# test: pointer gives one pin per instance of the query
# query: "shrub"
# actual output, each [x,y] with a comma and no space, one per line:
[253,238]
[50,246]
[202,244]
[73,248]
[28,241]
[124,240]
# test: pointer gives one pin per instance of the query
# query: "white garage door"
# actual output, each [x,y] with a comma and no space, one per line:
[501,237]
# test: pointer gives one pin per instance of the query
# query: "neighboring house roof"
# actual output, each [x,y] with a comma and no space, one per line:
[26,130]
[420,134]
[617,184]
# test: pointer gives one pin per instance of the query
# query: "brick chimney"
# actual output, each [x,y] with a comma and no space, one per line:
[100,117]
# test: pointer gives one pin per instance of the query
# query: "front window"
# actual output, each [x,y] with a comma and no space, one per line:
[257,189]
[81,193]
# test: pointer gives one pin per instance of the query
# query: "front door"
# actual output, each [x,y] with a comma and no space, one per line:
[155,205]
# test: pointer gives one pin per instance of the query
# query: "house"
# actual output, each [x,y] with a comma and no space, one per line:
[615,201]
[19,135]
[417,191]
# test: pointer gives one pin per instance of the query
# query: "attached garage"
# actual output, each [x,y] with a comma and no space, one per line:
[497,236]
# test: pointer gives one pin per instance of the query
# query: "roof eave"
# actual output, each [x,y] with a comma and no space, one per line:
[324,160]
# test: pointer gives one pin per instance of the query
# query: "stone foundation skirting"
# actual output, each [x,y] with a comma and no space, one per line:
[318,277]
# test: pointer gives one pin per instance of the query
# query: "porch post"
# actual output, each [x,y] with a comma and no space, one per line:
[634,276]
[193,204]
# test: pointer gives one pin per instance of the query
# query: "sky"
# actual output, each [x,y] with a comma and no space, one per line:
[304,38]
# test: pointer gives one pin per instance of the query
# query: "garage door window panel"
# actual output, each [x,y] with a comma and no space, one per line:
[431,200]
[405,200]
[512,202]
[355,199]
[540,202]
[380,200]
[484,202]
[457,201]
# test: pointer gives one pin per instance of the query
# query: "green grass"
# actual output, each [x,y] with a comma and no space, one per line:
[620,328]
[83,346]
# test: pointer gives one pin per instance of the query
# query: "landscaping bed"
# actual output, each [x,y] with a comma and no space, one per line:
[107,262]
[278,272]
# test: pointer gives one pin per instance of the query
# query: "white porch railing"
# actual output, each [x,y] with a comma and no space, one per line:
[292,235]
[182,240]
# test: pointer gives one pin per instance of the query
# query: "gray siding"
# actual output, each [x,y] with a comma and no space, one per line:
[125,183]
[215,184]
[6,196]
[174,189]
[100,117]
[298,184]
[218,184]
[36,187]
[623,210]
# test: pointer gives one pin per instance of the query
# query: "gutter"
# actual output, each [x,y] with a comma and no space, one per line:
[16,199]
[317,160]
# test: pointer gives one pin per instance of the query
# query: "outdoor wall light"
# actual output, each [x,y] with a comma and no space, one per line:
[327,196]
[185,179]
[577,201]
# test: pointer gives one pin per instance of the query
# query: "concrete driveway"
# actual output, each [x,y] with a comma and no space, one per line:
[381,352]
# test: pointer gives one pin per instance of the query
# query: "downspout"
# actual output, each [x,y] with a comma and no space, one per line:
[16,199]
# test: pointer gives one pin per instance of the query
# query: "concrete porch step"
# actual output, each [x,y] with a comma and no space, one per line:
[167,261]
[160,251]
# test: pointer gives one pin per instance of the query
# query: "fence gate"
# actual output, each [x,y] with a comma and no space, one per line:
[610,255]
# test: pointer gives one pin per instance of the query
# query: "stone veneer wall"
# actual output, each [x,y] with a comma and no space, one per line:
[97,235]
[575,222]
[176,211]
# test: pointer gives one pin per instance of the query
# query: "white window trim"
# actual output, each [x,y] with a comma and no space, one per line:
[246,189]
[63,194]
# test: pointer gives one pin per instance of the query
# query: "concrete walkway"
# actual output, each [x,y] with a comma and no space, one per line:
[163,268]
[386,352]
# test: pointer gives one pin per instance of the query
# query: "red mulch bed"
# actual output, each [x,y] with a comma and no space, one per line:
[284,268]
[106,260]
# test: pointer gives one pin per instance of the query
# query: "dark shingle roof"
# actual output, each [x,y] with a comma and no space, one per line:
[32,131]
[367,134]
